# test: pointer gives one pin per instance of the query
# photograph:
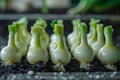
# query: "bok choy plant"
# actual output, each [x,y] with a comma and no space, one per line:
[44,39]
[92,35]
[11,54]
[83,52]
[60,56]
[36,52]
[109,54]
[71,38]
[24,31]
[20,40]
[100,40]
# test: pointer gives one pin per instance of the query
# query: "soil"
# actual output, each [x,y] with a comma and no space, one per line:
[24,67]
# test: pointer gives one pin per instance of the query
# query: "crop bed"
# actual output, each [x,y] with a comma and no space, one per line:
[24,69]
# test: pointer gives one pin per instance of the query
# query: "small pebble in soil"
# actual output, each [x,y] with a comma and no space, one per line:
[30,72]
[36,76]
[71,77]
[113,74]
[97,76]
[55,77]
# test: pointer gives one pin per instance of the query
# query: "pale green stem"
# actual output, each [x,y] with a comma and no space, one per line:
[36,40]
[108,35]
[83,35]
[11,41]
[94,33]
[59,29]
[100,37]
[60,42]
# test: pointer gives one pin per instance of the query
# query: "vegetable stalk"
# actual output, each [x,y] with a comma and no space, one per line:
[109,54]
[78,40]
[19,40]
[100,40]
[92,23]
[44,39]
[24,32]
[11,54]
[71,38]
[60,56]
[54,41]
[36,52]
[84,53]
[92,36]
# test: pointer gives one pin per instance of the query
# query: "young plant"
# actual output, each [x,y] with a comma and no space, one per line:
[44,36]
[19,40]
[109,54]
[84,53]
[36,52]
[92,23]
[53,43]
[78,40]
[92,36]
[41,22]
[71,38]
[53,36]
[24,32]
[100,40]
[11,54]
[60,56]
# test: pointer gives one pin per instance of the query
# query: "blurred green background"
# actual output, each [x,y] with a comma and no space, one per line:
[60,6]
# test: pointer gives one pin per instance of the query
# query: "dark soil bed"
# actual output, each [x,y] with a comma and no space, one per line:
[24,67]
